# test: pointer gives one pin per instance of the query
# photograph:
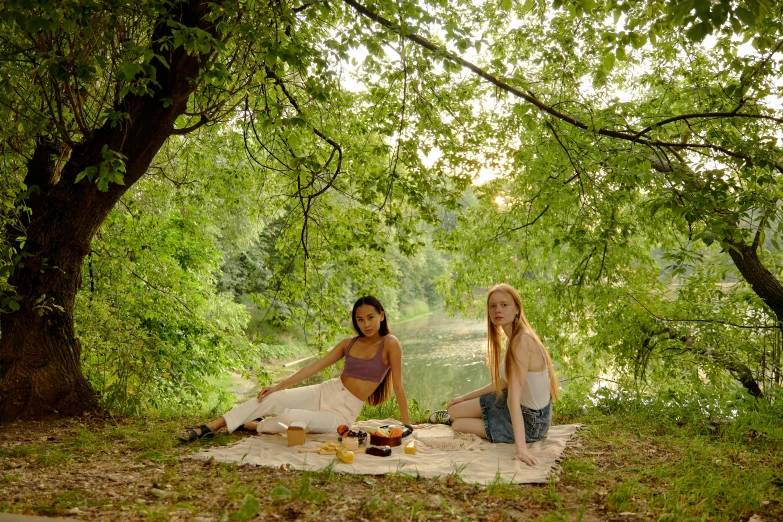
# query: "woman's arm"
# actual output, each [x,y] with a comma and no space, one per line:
[395,361]
[334,355]
[523,348]
[489,388]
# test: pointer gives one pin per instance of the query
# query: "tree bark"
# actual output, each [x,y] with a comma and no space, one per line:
[39,353]
[761,280]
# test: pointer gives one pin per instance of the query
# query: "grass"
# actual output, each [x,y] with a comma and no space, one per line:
[645,461]
[681,470]
[391,410]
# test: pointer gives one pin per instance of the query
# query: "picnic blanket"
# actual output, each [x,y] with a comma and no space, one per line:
[440,452]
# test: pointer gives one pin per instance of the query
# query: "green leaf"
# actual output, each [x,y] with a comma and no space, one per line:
[281,493]
[129,70]
[638,40]
[702,8]
[699,31]
[608,62]
[745,16]
[247,510]
[679,10]
[505,5]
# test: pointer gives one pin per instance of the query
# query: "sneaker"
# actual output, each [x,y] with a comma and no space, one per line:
[440,417]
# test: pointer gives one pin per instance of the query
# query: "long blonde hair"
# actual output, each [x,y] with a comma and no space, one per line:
[495,347]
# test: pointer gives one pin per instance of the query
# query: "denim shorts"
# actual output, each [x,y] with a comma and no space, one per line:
[497,419]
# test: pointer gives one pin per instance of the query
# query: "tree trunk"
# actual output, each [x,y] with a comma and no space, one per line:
[761,280]
[39,353]
[41,356]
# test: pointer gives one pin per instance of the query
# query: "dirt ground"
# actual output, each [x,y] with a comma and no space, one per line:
[108,469]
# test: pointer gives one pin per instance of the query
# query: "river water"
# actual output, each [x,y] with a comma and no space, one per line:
[443,357]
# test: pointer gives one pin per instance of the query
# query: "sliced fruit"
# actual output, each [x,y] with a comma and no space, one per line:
[345,455]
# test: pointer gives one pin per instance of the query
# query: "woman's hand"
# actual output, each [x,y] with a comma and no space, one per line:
[527,458]
[265,392]
[454,401]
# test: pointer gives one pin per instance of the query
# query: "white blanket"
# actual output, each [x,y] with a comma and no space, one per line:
[481,462]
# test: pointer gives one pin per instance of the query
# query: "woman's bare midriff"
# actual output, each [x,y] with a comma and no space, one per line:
[359,388]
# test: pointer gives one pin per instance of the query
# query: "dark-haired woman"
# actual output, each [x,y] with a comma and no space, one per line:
[373,366]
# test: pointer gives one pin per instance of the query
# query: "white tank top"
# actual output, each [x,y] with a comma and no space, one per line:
[535,391]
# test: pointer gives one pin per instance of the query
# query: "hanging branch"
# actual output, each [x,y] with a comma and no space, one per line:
[633,136]
[716,321]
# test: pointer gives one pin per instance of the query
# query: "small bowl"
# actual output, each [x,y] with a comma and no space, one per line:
[362,440]
[380,440]
[351,443]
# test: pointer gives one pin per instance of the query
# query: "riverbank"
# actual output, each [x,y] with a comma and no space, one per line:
[629,465]
[414,317]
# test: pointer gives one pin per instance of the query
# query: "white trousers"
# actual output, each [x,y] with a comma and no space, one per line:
[323,406]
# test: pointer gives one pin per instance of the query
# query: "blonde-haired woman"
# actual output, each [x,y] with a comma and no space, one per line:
[517,405]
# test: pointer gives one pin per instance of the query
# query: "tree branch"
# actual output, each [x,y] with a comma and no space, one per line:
[186,130]
[717,321]
[739,371]
[317,132]
[633,137]
[137,276]
[706,115]
[520,227]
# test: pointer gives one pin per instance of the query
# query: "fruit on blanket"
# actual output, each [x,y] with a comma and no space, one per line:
[410,448]
[345,455]
[342,429]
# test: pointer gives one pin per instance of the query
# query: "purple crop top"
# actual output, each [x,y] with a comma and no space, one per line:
[372,370]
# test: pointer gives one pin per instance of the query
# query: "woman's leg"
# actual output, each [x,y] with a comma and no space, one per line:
[467,409]
[307,398]
[466,418]
[466,425]
[337,406]
[213,426]
[317,421]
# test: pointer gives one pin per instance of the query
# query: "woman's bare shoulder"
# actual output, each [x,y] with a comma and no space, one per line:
[344,343]
[525,341]
[392,341]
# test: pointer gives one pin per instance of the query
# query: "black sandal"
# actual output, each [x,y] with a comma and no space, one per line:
[206,433]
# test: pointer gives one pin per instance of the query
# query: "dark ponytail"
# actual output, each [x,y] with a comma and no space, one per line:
[382,392]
